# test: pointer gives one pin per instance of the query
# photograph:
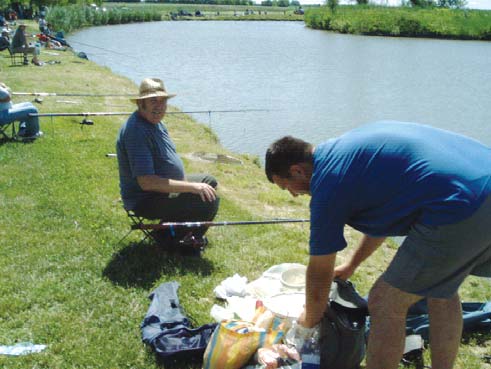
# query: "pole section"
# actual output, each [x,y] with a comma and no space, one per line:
[167,225]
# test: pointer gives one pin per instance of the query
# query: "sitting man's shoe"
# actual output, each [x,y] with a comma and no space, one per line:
[25,138]
[191,245]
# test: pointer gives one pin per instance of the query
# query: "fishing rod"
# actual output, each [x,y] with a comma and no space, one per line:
[172,225]
[86,114]
[66,94]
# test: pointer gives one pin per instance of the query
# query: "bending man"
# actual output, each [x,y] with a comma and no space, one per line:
[394,179]
[152,179]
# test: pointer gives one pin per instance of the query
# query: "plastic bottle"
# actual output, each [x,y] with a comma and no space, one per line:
[311,353]
[38,48]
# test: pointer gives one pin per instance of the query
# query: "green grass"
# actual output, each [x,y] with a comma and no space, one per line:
[403,21]
[66,279]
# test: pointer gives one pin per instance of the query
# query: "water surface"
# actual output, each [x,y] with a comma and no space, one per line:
[315,84]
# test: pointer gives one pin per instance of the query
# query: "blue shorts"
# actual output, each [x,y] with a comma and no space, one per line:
[433,261]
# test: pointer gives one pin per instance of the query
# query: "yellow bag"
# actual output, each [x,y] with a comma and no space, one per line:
[234,342]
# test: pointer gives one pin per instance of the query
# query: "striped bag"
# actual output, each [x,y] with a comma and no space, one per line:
[234,342]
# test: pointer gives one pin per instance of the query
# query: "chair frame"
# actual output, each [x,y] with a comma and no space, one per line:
[16,58]
[136,224]
[3,131]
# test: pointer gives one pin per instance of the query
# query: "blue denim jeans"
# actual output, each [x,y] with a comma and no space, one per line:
[21,112]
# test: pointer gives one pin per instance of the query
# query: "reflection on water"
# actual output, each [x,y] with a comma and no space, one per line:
[315,84]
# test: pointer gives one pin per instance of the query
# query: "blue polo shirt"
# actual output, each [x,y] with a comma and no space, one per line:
[144,148]
[383,177]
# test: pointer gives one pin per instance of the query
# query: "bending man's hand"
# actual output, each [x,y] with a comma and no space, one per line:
[344,271]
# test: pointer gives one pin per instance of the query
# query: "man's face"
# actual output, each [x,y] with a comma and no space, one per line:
[297,184]
[153,109]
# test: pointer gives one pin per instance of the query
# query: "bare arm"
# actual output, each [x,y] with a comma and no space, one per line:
[319,278]
[366,248]
[154,183]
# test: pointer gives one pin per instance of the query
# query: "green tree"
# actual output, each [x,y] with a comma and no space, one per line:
[333,4]
[457,4]
[421,3]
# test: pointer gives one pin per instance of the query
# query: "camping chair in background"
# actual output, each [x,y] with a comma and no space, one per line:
[4,127]
[16,58]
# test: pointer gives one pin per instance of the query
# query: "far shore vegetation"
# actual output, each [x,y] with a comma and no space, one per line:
[447,19]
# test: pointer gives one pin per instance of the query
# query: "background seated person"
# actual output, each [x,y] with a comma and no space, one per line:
[20,45]
[29,128]
[152,179]
[4,40]
[42,24]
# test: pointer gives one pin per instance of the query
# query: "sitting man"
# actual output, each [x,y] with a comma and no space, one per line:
[19,45]
[4,40]
[152,180]
[29,126]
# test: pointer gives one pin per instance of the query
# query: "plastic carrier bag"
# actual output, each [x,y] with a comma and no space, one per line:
[234,342]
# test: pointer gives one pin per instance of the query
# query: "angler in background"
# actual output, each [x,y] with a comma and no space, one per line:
[4,40]
[394,179]
[29,126]
[20,45]
[152,180]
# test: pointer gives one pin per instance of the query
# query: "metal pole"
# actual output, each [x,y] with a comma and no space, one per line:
[171,225]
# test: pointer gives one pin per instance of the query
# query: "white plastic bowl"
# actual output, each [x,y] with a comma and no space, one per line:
[294,278]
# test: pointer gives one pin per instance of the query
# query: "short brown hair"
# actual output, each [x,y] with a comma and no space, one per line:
[284,153]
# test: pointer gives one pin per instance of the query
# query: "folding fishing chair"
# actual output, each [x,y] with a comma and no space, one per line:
[188,245]
[137,223]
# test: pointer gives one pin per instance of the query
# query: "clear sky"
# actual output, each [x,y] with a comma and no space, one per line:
[473,4]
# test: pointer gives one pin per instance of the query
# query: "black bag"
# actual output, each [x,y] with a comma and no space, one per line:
[342,335]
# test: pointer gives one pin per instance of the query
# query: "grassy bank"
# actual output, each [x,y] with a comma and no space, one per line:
[66,278]
[214,12]
[403,21]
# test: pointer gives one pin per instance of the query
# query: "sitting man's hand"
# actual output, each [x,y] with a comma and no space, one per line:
[206,192]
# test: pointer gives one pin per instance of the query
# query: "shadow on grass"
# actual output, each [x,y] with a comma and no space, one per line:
[141,264]
[13,141]
[179,361]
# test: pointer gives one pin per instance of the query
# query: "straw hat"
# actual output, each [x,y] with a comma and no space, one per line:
[152,87]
